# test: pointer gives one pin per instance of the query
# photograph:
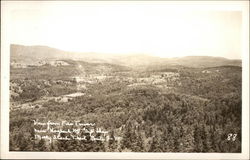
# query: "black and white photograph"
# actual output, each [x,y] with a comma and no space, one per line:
[125,77]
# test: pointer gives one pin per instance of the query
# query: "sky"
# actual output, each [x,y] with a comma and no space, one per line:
[159,29]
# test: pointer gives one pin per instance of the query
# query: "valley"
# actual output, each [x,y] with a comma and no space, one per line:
[162,106]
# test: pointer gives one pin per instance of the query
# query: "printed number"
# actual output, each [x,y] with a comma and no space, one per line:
[231,137]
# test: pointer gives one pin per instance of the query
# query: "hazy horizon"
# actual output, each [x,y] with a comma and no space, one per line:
[127,54]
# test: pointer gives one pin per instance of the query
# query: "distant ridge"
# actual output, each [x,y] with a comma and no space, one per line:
[28,54]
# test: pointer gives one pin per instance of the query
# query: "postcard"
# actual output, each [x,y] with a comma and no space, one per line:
[125,80]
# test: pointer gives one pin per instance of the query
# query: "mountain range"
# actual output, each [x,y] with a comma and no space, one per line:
[31,54]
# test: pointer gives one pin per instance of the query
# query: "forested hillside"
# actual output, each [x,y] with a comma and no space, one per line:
[158,108]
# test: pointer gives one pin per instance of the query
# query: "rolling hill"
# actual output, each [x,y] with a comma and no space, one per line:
[30,54]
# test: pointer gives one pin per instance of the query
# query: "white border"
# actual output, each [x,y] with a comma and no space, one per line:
[8,6]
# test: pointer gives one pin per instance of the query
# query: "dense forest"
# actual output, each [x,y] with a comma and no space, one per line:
[156,109]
